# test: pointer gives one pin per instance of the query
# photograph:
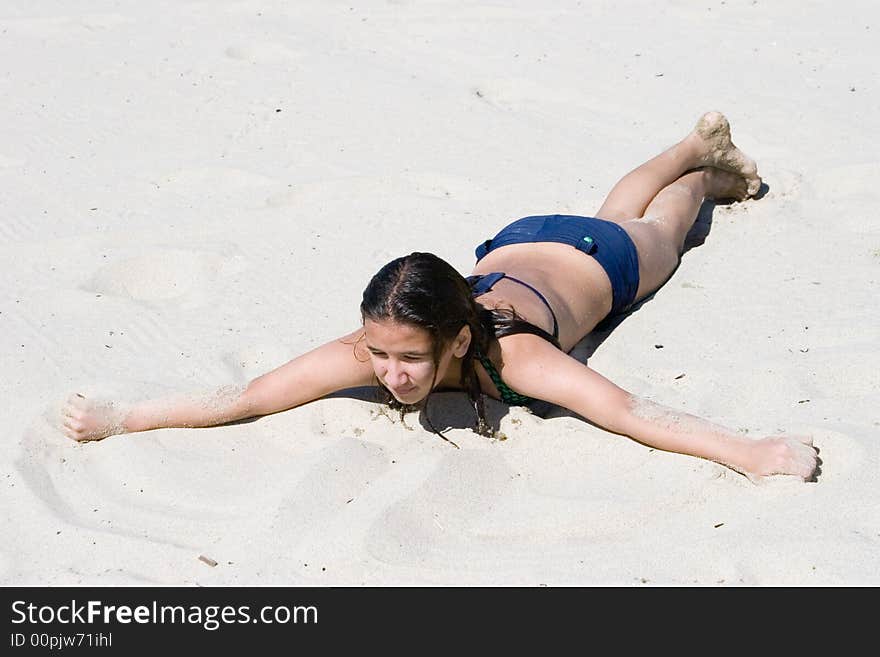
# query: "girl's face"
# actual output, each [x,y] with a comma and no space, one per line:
[402,356]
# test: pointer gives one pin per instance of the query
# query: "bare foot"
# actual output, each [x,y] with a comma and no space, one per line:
[85,419]
[712,134]
[722,184]
[786,455]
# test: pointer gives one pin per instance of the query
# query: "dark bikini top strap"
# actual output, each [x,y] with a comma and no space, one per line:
[480,284]
[542,298]
[508,394]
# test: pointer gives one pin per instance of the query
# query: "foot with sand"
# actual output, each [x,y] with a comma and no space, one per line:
[721,184]
[711,138]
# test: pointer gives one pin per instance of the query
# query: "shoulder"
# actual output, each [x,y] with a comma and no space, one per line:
[525,353]
[526,362]
[519,346]
[534,367]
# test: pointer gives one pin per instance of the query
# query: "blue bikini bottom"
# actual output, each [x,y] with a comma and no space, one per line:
[605,241]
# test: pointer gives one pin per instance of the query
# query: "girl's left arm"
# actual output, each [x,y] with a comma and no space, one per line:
[535,368]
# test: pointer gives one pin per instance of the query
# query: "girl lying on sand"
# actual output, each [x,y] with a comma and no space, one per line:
[538,287]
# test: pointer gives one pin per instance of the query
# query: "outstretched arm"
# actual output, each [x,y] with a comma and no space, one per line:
[546,373]
[334,366]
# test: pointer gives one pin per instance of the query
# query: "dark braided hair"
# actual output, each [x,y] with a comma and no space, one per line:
[423,290]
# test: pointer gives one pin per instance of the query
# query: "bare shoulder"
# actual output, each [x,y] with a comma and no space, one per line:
[534,367]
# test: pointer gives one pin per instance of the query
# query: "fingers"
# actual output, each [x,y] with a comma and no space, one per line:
[73,429]
[807,457]
[74,407]
[790,455]
[73,417]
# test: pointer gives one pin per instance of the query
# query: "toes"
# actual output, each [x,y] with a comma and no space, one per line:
[754,186]
[727,185]
[714,129]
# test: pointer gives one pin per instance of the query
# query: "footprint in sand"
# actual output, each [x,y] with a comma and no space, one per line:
[158,276]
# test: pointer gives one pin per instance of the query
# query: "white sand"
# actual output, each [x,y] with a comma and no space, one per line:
[195,192]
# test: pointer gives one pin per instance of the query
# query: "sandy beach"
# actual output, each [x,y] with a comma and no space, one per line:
[193,193]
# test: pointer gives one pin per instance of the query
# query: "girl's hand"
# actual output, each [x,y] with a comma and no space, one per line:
[84,419]
[787,455]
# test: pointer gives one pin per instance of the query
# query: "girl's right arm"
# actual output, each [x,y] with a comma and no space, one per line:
[337,365]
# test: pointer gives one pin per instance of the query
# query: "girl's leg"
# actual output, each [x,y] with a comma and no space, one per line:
[660,234]
[709,144]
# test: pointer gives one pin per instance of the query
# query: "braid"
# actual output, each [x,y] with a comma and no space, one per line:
[480,322]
